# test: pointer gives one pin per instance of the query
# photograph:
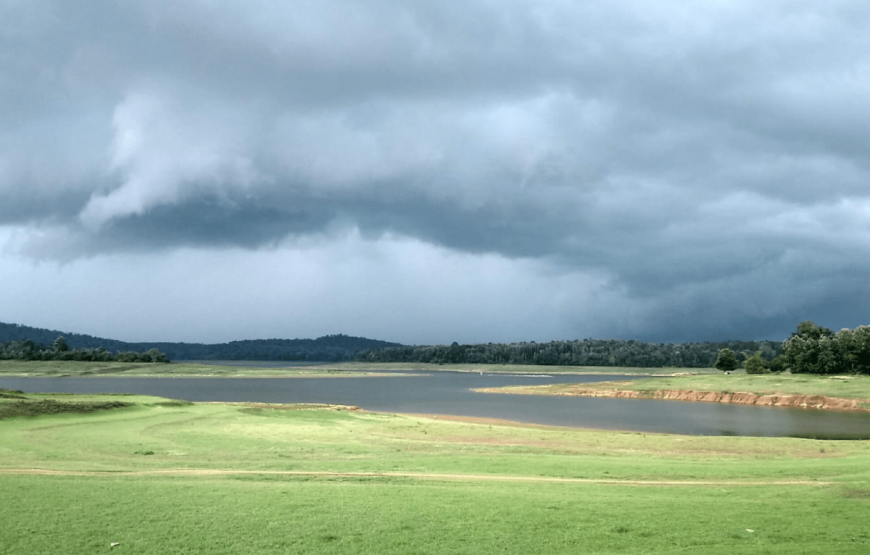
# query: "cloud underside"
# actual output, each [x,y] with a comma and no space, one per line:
[693,159]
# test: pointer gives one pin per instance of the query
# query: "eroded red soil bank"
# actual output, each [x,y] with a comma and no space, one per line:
[773,400]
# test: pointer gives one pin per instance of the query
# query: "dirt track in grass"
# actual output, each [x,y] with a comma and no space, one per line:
[411,475]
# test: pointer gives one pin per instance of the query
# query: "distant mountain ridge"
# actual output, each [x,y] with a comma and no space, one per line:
[329,348]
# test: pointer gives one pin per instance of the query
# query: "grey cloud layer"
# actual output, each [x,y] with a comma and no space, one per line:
[701,156]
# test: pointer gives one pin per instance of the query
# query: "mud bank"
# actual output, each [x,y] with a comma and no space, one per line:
[819,402]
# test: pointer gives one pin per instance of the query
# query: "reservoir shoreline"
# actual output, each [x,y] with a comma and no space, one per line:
[818,402]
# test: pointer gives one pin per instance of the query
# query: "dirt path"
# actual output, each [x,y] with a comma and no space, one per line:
[413,475]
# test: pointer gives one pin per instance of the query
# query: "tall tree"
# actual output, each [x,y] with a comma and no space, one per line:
[60,345]
[810,330]
[726,361]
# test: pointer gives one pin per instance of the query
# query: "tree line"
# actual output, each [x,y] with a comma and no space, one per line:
[60,350]
[812,349]
[584,352]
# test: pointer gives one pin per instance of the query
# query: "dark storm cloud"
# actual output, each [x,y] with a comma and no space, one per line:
[211,223]
[710,160]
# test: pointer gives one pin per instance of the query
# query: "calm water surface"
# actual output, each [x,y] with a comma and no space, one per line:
[450,393]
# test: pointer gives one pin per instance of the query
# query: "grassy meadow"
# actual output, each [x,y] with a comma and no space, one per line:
[160,476]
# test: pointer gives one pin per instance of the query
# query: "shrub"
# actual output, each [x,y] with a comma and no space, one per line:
[756,364]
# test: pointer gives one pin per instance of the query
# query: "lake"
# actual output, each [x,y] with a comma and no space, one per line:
[450,393]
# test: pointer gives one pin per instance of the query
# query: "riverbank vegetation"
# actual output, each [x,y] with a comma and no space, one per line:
[166,477]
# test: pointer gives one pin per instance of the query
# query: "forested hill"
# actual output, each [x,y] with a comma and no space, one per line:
[330,348]
[334,348]
[585,352]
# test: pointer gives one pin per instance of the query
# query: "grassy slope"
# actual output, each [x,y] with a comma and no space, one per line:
[434,486]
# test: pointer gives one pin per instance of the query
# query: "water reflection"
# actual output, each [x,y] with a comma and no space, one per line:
[449,393]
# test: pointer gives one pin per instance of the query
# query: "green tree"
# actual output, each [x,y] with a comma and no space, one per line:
[812,349]
[779,364]
[156,355]
[726,360]
[828,360]
[809,330]
[127,356]
[60,345]
[755,364]
[853,349]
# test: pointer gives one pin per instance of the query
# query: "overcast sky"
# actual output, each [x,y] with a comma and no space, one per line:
[428,172]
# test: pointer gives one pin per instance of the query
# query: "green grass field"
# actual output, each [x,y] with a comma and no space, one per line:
[158,476]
